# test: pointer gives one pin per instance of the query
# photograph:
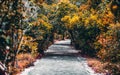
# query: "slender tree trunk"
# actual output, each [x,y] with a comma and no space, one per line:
[71,36]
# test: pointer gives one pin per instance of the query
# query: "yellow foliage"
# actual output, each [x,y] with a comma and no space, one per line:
[65,19]
[27,41]
[47,25]
[86,21]
[99,21]
[65,1]
[114,26]
[84,7]
[80,14]
[70,21]
[93,11]
[41,22]
[107,18]
[102,53]
[93,17]
[74,20]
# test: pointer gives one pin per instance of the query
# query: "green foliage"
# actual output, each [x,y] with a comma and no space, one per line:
[65,9]
[85,38]
[62,10]
[40,30]
[10,22]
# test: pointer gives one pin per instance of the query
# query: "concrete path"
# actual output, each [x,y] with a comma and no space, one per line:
[60,59]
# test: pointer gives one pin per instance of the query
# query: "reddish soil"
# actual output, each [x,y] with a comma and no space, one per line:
[24,61]
[97,65]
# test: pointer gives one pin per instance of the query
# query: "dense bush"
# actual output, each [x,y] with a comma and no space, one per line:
[96,31]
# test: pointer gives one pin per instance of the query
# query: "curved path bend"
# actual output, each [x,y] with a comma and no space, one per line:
[60,59]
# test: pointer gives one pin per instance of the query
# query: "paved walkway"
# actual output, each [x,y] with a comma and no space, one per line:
[60,59]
